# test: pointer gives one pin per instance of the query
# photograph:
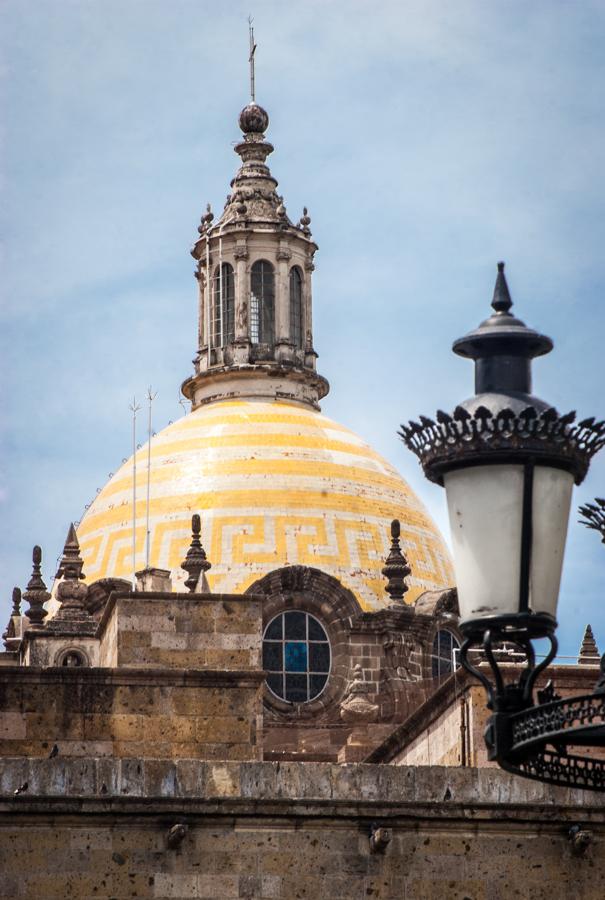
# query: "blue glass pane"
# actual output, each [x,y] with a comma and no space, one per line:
[445,643]
[296,656]
[295,625]
[317,684]
[296,688]
[274,631]
[316,632]
[272,656]
[276,683]
[319,657]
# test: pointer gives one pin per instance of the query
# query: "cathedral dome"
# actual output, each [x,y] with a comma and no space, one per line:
[276,483]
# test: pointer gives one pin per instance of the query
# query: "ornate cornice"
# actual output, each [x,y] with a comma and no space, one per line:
[466,438]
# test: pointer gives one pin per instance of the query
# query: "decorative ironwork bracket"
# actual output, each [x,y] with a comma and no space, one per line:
[532,741]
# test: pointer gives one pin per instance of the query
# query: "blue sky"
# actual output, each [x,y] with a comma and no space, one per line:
[428,139]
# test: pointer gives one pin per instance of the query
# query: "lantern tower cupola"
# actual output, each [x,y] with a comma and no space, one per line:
[254,268]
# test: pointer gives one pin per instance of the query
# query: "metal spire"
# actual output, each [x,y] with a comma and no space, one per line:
[134,408]
[251,60]
[150,398]
[502,301]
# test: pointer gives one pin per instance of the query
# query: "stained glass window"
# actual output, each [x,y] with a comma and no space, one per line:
[296,655]
[444,658]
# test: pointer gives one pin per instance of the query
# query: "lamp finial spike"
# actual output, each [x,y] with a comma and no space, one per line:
[501,301]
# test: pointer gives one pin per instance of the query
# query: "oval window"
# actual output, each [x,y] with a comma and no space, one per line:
[296,656]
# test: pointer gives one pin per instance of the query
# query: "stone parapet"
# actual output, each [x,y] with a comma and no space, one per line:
[157,829]
[305,788]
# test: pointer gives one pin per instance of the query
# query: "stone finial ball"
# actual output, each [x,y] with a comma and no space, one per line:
[253,119]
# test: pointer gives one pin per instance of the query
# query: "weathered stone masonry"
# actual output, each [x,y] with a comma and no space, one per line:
[99,828]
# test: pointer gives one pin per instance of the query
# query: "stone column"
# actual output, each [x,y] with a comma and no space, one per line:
[310,354]
[241,344]
[201,287]
[284,350]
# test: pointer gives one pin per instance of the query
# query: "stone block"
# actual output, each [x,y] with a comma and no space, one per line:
[259,780]
[134,638]
[223,780]
[165,640]
[130,727]
[131,778]
[107,777]
[190,778]
[271,887]
[211,887]
[347,782]
[175,885]
[227,729]
[160,778]
[13,725]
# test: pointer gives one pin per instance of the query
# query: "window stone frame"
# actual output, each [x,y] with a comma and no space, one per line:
[334,606]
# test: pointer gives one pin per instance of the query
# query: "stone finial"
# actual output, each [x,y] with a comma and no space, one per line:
[71,592]
[304,222]
[8,635]
[253,119]
[16,610]
[71,564]
[396,569]
[196,560]
[36,593]
[589,652]
[206,220]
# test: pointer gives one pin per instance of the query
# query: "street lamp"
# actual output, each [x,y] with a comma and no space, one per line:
[508,462]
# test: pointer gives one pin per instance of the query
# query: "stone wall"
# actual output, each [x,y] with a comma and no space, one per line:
[183,631]
[448,729]
[130,713]
[99,828]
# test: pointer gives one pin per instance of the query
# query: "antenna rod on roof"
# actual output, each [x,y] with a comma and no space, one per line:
[134,409]
[150,398]
[251,59]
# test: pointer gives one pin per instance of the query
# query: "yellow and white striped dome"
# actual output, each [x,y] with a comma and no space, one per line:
[275,484]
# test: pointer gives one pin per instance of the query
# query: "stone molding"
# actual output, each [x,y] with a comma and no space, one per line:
[123,676]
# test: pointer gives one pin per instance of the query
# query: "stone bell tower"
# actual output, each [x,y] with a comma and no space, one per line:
[254,268]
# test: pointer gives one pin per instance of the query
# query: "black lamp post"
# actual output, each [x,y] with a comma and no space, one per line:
[508,462]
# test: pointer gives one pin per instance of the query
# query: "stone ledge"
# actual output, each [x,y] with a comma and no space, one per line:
[16,675]
[315,788]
